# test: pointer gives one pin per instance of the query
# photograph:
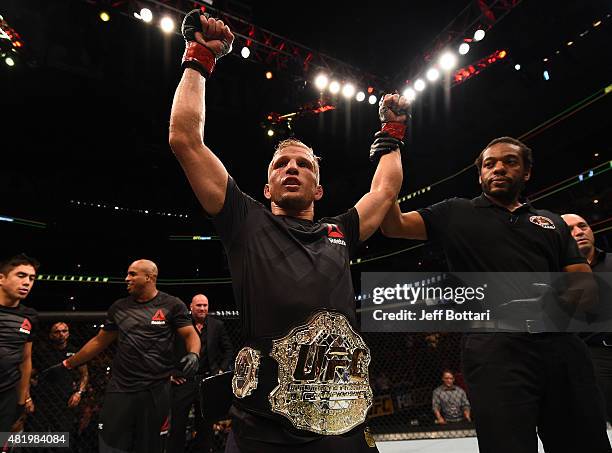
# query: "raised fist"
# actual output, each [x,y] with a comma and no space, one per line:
[207,31]
[393,108]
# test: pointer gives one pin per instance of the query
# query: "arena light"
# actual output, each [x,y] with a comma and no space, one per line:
[432,74]
[597,23]
[269,75]
[447,61]
[334,87]
[360,96]
[517,67]
[146,15]
[9,61]
[348,90]
[372,99]
[464,48]
[104,16]
[270,133]
[321,81]
[570,43]
[167,24]
[479,35]
[419,85]
[546,75]
[409,94]
[502,54]
[245,52]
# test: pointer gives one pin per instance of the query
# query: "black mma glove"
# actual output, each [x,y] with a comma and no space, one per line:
[394,117]
[191,363]
[198,56]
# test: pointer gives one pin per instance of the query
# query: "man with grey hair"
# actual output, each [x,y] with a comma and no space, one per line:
[137,402]
[290,273]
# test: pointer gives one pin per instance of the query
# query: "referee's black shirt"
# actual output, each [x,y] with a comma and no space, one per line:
[480,236]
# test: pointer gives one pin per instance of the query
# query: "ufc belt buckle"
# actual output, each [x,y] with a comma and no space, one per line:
[323,381]
[246,368]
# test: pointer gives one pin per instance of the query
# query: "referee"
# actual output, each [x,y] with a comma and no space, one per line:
[137,400]
[518,383]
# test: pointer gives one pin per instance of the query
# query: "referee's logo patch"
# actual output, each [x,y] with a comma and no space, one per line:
[542,221]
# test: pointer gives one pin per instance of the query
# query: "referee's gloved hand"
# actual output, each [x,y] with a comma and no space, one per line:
[190,362]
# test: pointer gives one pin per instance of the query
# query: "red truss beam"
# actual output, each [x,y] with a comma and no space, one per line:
[477,14]
[467,72]
[266,46]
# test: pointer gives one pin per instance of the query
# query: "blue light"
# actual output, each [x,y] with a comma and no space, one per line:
[591,173]
[580,178]
[7,219]
[546,75]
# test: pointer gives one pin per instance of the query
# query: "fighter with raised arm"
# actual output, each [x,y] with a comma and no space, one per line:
[301,380]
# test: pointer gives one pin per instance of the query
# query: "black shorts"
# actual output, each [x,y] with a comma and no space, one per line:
[8,409]
[132,422]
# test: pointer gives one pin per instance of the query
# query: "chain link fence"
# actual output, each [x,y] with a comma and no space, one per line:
[404,371]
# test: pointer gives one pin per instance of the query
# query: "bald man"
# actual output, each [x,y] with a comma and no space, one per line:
[599,343]
[137,401]
[599,260]
[215,357]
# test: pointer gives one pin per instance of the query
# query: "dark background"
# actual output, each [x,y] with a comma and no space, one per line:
[85,117]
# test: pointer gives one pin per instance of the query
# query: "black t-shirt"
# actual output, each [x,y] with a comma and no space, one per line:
[283,269]
[480,236]
[146,336]
[59,381]
[602,262]
[18,326]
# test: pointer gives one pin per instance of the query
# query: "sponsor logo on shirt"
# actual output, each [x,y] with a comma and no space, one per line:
[335,235]
[158,319]
[542,221]
[26,327]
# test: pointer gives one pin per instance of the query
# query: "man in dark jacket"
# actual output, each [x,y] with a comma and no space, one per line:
[215,357]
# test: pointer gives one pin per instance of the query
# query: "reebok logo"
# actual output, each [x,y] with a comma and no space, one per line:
[335,235]
[158,319]
[26,327]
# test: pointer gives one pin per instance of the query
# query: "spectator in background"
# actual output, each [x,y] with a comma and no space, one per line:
[56,394]
[449,402]
[216,356]
[599,343]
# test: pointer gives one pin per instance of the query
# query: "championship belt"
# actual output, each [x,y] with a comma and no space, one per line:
[246,367]
[323,382]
